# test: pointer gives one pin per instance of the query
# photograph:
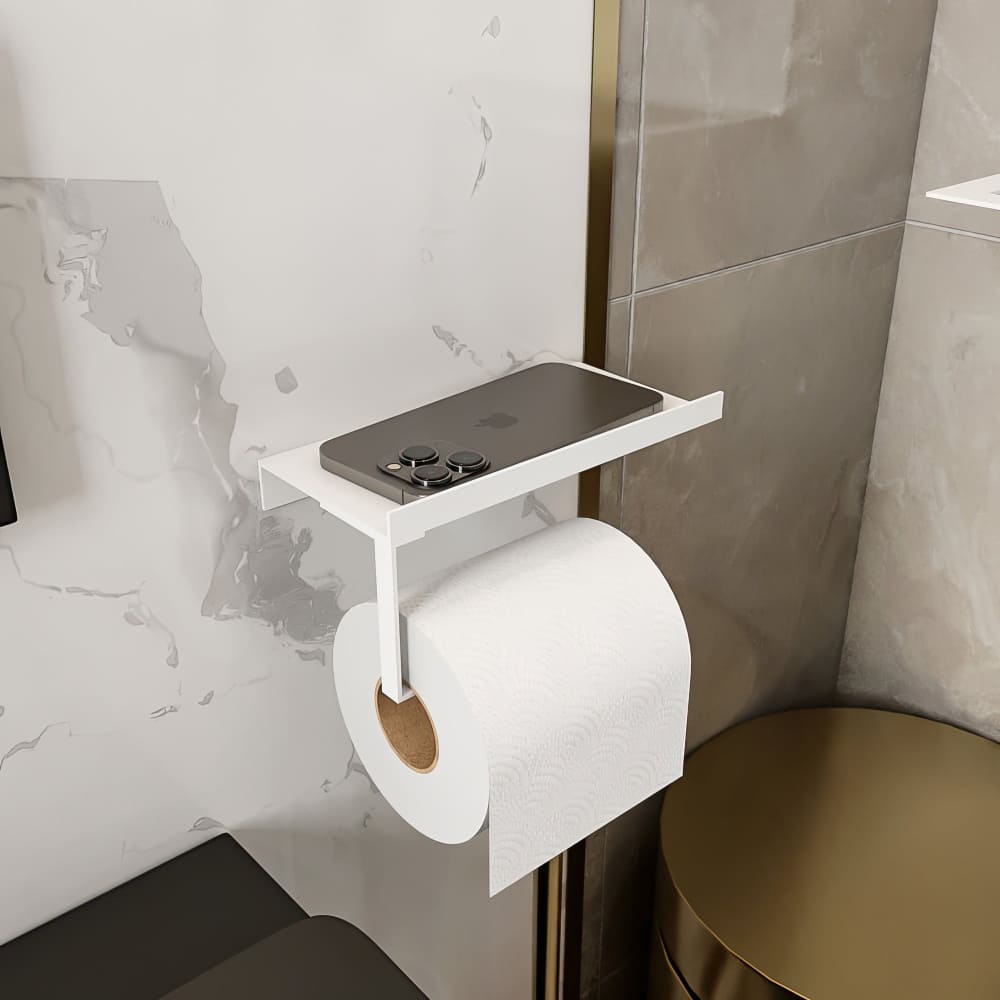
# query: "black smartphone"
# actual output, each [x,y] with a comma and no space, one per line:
[493,426]
[7,512]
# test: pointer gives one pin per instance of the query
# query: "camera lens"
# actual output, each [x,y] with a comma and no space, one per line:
[418,454]
[431,475]
[466,461]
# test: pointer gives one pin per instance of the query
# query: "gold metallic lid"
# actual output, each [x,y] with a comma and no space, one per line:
[834,854]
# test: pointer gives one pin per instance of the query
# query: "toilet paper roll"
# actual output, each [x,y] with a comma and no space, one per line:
[552,676]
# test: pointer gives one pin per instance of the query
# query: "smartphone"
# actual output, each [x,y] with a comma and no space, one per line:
[476,432]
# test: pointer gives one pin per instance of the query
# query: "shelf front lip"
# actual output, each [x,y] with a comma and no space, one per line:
[979,193]
[298,474]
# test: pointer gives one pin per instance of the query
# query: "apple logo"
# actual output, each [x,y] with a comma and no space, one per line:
[498,421]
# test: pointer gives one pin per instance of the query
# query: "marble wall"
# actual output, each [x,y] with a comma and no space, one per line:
[765,154]
[235,234]
[924,628]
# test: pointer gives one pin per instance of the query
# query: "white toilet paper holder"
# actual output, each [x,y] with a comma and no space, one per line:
[296,474]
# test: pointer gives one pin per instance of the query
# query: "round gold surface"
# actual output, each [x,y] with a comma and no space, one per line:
[664,981]
[834,854]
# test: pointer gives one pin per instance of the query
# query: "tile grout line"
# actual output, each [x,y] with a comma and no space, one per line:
[747,265]
[919,223]
[970,233]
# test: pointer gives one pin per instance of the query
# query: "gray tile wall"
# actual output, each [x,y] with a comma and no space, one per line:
[764,160]
[773,125]
[960,125]
[924,627]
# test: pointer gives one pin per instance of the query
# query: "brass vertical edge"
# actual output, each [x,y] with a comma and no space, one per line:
[559,885]
[554,873]
[603,99]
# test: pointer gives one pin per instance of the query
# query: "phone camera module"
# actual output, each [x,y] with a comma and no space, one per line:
[431,475]
[418,454]
[466,461]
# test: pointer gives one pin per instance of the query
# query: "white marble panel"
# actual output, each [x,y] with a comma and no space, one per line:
[227,229]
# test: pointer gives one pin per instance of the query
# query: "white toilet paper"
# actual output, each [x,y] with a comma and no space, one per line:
[555,671]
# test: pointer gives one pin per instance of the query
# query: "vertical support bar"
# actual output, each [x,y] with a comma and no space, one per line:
[390,644]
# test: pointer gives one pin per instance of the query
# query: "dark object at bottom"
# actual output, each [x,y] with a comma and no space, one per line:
[153,933]
[8,515]
[319,959]
[171,925]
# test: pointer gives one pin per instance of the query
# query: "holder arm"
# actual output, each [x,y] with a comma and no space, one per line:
[391,635]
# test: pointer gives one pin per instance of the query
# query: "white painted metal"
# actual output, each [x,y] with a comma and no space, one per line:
[295,474]
[984,192]
[390,635]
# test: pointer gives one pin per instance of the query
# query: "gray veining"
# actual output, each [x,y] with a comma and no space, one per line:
[205,823]
[285,380]
[456,346]
[32,744]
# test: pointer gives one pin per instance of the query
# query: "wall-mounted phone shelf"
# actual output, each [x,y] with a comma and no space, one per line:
[293,475]
[981,193]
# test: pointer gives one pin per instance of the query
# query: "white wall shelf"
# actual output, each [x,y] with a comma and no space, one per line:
[981,193]
[294,475]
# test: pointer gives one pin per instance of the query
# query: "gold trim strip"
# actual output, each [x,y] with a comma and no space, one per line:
[603,102]
[553,927]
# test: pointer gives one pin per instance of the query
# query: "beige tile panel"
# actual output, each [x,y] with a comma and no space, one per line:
[630,34]
[755,520]
[924,628]
[774,125]
[960,128]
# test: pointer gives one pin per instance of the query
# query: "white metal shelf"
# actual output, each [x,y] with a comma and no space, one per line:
[984,192]
[296,474]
